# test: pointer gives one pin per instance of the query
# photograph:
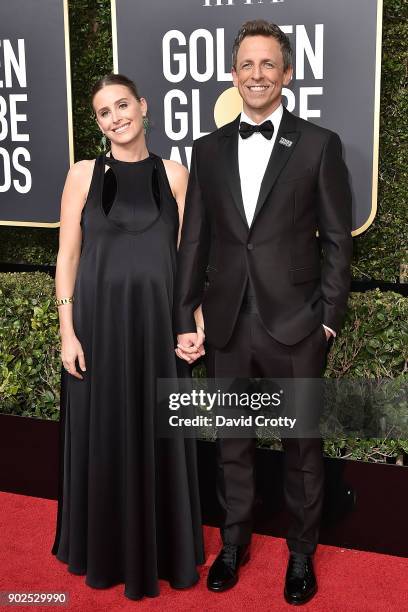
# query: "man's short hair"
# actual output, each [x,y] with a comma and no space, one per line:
[260,27]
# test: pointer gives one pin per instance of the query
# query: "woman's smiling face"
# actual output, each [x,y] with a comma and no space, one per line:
[119,114]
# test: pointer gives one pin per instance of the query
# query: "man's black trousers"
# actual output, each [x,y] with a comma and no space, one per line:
[253,353]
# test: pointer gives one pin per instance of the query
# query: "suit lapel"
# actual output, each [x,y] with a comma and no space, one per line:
[284,146]
[229,154]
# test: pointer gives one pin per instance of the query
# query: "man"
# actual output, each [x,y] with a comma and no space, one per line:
[260,189]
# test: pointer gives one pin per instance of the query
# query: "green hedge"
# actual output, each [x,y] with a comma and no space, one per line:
[379,253]
[372,345]
[29,346]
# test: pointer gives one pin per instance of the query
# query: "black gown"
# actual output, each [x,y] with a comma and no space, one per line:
[128,507]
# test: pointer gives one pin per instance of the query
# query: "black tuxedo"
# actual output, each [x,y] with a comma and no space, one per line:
[305,188]
[295,281]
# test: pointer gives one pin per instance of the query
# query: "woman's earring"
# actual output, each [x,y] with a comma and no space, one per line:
[103,143]
[145,124]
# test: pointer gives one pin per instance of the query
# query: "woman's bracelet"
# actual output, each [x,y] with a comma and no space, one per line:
[64,300]
[200,328]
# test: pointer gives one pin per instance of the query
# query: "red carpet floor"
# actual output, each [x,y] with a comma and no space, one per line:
[349,580]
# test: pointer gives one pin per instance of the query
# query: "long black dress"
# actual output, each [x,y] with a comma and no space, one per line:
[128,508]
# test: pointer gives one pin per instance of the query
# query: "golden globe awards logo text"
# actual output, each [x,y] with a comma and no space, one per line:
[14,173]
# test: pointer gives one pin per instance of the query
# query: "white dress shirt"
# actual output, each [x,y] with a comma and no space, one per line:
[253,157]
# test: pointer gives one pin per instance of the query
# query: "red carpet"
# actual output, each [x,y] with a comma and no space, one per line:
[349,580]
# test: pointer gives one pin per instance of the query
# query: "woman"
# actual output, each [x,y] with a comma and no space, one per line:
[128,508]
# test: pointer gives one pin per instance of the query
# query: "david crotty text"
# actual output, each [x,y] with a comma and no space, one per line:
[222,421]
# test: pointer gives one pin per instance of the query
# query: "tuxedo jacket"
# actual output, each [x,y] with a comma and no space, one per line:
[297,251]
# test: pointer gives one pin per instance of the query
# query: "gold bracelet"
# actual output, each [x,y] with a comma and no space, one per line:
[65,300]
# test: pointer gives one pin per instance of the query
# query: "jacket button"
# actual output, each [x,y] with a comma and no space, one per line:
[250,246]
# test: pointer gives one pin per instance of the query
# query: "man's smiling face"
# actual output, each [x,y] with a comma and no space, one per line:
[260,76]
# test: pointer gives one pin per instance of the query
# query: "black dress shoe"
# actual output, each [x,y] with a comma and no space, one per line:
[223,574]
[300,583]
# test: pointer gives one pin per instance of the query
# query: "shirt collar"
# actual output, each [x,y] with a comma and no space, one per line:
[275,117]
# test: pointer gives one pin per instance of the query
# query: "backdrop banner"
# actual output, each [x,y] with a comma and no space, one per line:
[35,111]
[179,54]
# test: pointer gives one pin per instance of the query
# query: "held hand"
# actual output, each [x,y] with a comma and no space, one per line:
[190,346]
[71,350]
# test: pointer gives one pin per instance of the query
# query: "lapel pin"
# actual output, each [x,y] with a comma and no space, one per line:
[284,141]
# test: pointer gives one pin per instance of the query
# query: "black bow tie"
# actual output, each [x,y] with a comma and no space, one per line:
[266,129]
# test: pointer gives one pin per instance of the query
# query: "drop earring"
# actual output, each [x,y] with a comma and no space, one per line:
[103,143]
[145,124]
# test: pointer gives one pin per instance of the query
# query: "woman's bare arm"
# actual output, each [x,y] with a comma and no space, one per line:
[70,238]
